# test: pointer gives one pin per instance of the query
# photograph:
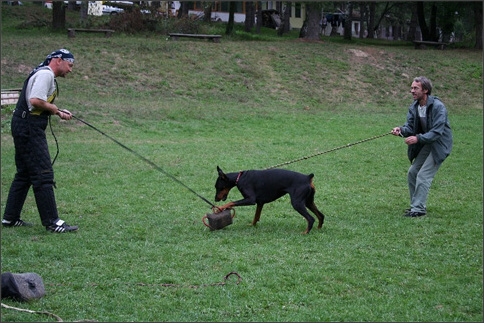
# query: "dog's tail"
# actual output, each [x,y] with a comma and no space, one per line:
[310,176]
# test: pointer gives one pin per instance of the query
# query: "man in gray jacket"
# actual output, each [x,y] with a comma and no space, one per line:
[429,138]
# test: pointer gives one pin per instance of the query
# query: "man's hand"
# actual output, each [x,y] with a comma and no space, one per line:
[396,131]
[411,140]
[64,114]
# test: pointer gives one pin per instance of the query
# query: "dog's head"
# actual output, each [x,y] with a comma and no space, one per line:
[222,186]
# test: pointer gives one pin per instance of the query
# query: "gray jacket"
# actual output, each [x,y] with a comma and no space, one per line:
[438,135]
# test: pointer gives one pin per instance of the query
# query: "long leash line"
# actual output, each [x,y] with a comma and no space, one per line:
[146,160]
[57,317]
[329,150]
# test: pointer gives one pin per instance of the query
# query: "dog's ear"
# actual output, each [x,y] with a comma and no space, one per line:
[221,173]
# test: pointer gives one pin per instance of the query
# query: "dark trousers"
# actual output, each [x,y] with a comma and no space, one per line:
[34,168]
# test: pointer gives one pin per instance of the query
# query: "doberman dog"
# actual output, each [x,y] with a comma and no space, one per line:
[265,186]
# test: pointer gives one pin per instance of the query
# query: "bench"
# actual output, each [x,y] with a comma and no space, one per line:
[214,38]
[421,44]
[71,32]
[10,96]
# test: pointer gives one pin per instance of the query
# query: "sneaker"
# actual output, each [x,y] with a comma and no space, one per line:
[61,226]
[415,214]
[16,223]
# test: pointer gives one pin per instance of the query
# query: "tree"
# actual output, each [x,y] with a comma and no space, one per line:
[71,5]
[249,16]
[412,30]
[83,11]
[478,24]
[207,12]
[434,35]
[310,28]
[259,20]
[230,24]
[428,33]
[383,14]
[348,22]
[285,21]
[447,19]
[58,15]
[183,11]
[363,16]
[371,20]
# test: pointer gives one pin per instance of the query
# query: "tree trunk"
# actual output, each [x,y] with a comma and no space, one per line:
[71,5]
[287,17]
[412,31]
[313,15]
[230,25]
[434,36]
[348,22]
[249,16]
[58,15]
[207,12]
[421,21]
[183,10]
[478,23]
[259,19]
[285,21]
[371,21]
[83,13]
[363,14]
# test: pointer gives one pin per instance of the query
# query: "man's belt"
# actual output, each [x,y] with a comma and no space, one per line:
[25,114]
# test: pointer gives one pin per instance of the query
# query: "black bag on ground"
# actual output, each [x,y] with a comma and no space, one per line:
[22,287]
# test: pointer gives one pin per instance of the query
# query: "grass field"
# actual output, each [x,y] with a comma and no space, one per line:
[142,252]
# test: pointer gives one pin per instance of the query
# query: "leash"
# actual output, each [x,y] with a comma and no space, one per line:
[146,160]
[330,150]
[33,312]
[56,143]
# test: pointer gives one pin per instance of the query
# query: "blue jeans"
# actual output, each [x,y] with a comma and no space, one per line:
[420,177]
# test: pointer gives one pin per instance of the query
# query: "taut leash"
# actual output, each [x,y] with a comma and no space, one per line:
[327,151]
[146,160]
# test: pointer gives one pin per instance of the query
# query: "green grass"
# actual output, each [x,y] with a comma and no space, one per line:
[189,106]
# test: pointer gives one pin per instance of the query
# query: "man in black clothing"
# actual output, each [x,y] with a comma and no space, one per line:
[32,158]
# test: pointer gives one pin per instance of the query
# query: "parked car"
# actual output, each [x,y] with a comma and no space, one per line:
[110,10]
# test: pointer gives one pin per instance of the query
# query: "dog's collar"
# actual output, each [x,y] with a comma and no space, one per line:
[238,177]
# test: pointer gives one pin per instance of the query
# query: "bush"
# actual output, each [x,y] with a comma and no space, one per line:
[128,22]
[136,21]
